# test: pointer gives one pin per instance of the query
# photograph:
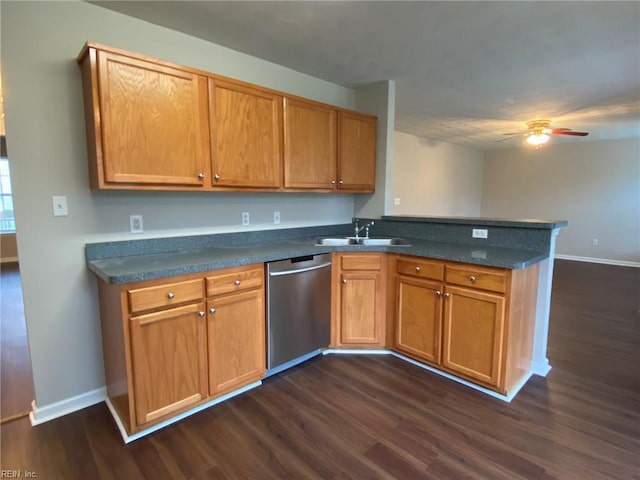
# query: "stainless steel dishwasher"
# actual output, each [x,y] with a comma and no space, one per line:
[298,310]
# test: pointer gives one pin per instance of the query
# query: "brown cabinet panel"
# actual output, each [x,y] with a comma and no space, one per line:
[153,123]
[419,318]
[361,262]
[310,156]
[492,279]
[168,352]
[359,322]
[356,152]
[234,280]
[164,295]
[246,135]
[420,268]
[236,340]
[473,336]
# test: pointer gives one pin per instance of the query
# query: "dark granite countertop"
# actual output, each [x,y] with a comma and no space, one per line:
[134,268]
[482,221]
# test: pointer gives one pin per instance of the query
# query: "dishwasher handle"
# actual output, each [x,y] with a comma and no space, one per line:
[302,270]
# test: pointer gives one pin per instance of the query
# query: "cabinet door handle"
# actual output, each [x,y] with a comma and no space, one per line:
[201,175]
[344,280]
[446,295]
[438,293]
[201,314]
[472,278]
[212,310]
[333,182]
[417,269]
[237,282]
[341,182]
[216,177]
[170,295]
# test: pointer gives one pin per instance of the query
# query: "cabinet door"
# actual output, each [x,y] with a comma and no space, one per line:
[246,135]
[169,361]
[309,145]
[236,338]
[356,152]
[359,309]
[153,123]
[419,321]
[473,339]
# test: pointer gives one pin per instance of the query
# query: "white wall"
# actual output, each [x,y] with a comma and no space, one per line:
[433,178]
[46,138]
[594,185]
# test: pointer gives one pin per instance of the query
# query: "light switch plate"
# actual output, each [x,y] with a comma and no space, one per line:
[60,208]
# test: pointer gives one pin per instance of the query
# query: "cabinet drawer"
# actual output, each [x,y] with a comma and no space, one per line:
[361,262]
[164,295]
[493,280]
[236,279]
[420,268]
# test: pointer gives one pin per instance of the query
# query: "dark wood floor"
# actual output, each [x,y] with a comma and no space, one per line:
[357,417]
[16,377]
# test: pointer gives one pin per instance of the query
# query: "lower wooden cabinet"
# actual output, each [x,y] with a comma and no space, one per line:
[474,322]
[168,357]
[172,345]
[236,341]
[358,292]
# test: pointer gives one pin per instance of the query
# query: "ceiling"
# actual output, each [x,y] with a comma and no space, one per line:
[465,72]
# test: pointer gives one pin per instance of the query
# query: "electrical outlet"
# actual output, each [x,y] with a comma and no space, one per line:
[396,201]
[594,242]
[60,208]
[135,224]
[480,233]
[245,218]
[276,217]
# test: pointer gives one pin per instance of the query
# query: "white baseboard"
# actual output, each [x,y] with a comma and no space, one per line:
[52,411]
[541,369]
[143,433]
[605,261]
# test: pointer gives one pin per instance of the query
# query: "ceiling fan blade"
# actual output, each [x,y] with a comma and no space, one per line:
[560,130]
[575,134]
[514,133]
[505,139]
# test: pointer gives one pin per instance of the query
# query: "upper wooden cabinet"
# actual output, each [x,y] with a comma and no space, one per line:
[356,152]
[310,146]
[246,135]
[147,123]
[153,125]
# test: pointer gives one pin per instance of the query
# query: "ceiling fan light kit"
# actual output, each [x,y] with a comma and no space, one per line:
[539,132]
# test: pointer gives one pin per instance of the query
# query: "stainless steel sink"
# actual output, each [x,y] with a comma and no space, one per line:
[388,242]
[336,242]
[364,242]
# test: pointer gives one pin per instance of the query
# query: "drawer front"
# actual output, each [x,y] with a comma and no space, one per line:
[361,262]
[492,280]
[234,280]
[420,268]
[164,295]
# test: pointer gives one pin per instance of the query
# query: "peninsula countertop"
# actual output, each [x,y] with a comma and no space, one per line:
[134,268]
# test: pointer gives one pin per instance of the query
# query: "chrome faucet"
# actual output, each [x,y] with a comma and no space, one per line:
[357,229]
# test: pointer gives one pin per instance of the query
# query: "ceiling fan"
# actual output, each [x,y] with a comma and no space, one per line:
[539,132]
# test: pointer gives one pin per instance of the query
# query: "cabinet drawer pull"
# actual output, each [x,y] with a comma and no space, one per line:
[237,282]
[418,269]
[170,295]
[446,295]
[344,280]
[201,314]
[201,175]
[212,310]
[472,278]
[216,177]
[438,293]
